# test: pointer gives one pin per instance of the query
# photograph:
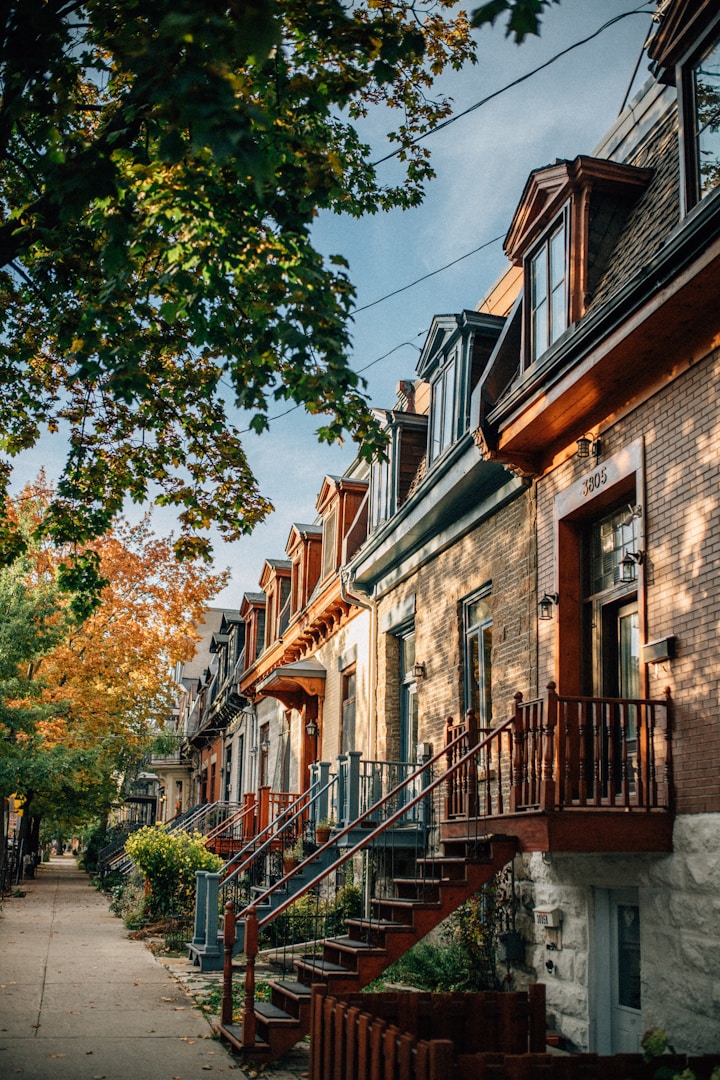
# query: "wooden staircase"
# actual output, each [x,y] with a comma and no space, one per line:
[349,962]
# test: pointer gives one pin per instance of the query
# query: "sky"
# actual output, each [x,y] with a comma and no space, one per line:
[482,161]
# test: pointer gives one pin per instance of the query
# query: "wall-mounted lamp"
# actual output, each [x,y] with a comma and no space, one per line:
[628,565]
[312,729]
[588,446]
[632,513]
[265,744]
[546,604]
[419,671]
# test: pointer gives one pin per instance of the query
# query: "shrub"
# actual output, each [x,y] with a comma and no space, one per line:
[168,862]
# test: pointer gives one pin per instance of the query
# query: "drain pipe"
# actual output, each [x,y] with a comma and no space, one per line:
[367,602]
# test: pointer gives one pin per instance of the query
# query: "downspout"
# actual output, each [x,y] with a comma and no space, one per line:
[346,581]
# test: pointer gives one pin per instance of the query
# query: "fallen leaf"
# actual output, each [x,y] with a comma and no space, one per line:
[56,1055]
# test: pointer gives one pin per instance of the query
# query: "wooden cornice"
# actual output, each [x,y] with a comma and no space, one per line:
[682,25]
[549,188]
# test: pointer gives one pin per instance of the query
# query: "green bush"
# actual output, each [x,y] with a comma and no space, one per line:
[168,862]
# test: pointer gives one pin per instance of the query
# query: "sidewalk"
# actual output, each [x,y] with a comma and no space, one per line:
[80,1001]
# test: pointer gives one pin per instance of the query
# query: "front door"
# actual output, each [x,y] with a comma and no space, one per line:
[618,1016]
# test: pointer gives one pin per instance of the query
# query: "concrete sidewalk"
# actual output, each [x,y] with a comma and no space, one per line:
[80,1001]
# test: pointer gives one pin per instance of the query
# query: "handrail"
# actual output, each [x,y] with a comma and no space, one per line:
[249,914]
[382,827]
[234,819]
[273,831]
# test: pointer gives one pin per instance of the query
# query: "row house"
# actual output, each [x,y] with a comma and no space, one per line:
[304,674]
[523,592]
[602,393]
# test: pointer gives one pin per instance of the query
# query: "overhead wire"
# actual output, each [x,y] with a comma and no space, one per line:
[446,123]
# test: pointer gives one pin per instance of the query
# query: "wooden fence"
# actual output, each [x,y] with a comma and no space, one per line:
[480,1036]
[378,1036]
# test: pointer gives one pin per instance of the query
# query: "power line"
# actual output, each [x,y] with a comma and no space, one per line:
[404,288]
[516,82]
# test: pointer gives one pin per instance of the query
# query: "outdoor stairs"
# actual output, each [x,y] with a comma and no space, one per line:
[349,962]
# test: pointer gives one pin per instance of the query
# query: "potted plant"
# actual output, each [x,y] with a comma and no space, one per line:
[292,856]
[322,830]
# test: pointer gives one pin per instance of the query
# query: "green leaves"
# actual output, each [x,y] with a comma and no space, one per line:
[161,166]
[525,16]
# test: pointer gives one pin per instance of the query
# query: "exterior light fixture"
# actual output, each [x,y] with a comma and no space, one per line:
[265,744]
[628,565]
[312,729]
[546,604]
[419,671]
[587,446]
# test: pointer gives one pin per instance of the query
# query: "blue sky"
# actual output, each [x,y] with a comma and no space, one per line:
[482,162]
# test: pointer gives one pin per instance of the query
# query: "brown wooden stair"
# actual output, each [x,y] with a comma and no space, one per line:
[349,962]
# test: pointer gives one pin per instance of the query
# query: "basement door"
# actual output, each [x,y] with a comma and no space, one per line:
[618,1016]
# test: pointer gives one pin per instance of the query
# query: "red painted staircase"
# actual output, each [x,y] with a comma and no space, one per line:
[349,962]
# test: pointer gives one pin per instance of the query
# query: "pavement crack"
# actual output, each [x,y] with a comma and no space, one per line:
[38,1021]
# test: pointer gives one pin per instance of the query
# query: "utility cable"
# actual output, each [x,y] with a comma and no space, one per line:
[516,82]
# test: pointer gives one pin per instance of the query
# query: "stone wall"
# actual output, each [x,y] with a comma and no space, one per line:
[679,900]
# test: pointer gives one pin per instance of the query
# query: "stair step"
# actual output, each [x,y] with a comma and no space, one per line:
[294,989]
[352,945]
[318,965]
[272,1013]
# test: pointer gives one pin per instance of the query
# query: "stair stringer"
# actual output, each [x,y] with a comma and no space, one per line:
[277,1036]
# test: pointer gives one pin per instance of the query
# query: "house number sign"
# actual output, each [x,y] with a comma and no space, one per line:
[594,482]
[626,463]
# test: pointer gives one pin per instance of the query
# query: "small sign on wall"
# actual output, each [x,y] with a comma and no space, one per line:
[548,916]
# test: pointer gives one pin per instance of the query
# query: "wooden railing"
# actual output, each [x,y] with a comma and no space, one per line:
[403,1036]
[559,753]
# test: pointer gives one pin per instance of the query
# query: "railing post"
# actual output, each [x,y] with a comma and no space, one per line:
[212,893]
[353,787]
[320,781]
[251,950]
[263,808]
[226,1004]
[667,791]
[517,757]
[471,731]
[200,907]
[547,756]
[342,815]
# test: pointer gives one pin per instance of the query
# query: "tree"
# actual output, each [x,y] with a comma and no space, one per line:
[524,16]
[79,698]
[161,166]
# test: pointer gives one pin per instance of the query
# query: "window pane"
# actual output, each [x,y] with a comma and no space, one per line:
[448,406]
[557,257]
[538,278]
[540,331]
[629,955]
[437,420]
[707,106]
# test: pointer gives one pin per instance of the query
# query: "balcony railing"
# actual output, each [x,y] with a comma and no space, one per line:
[566,753]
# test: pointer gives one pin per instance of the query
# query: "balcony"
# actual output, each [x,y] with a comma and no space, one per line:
[575,774]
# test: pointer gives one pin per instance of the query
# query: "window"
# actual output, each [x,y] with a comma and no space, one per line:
[706,97]
[477,629]
[547,286]
[408,697]
[347,720]
[442,410]
[329,555]
[380,487]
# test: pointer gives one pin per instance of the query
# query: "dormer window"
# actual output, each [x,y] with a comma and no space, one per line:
[342,506]
[443,408]
[391,480]
[329,551]
[547,277]
[686,51]
[563,233]
[704,149]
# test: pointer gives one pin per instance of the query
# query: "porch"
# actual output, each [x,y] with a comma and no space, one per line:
[575,774]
